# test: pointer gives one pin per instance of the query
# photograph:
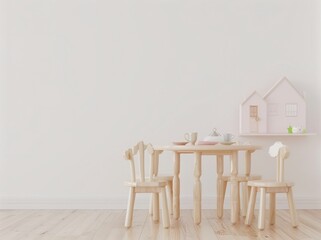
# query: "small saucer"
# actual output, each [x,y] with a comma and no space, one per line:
[180,143]
[227,143]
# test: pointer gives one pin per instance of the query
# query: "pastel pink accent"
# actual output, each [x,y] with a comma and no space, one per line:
[245,123]
[272,117]
[284,93]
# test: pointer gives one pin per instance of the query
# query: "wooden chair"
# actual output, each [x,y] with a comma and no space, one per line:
[144,185]
[280,152]
[242,185]
[242,180]
[167,178]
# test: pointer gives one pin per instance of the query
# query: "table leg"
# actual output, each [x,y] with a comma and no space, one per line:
[176,186]
[246,190]
[197,188]
[248,163]
[220,185]
[234,187]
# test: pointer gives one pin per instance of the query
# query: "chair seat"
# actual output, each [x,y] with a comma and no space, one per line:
[269,183]
[242,178]
[155,183]
[163,178]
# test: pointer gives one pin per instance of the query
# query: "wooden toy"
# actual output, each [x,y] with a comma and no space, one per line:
[280,111]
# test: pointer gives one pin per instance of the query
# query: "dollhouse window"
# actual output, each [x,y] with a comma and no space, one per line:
[291,110]
[253,111]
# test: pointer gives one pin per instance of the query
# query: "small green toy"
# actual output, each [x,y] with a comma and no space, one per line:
[290,129]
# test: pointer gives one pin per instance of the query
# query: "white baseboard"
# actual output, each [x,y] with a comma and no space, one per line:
[208,202]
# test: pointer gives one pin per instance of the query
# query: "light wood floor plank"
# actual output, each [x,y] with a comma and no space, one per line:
[135,231]
[109,225]
[205,229]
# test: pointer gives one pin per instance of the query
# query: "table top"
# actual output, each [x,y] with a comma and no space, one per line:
[207,148]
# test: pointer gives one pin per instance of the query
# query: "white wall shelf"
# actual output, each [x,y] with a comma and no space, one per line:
[277,134]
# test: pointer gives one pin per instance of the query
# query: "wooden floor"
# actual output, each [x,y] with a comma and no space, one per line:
[108,224]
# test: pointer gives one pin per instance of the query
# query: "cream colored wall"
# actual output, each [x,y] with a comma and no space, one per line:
[83,80]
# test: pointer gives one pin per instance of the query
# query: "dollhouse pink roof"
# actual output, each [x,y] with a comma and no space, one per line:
[277,84]
[253,93]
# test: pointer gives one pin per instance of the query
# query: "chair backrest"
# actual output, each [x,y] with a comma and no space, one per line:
[281,152]
[139,149]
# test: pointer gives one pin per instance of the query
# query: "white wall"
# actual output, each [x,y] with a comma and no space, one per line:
[83,80]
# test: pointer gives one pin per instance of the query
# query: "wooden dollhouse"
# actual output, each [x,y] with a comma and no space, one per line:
[282,108]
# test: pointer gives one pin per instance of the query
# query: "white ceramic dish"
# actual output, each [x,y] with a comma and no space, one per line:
[213,139]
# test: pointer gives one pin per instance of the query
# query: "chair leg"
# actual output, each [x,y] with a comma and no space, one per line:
[245,198]
[248,191]
[272,208]
[169,188]
[294,217]
[239,198]
[130,208]
[262,208]
[164,209]
[155,207]
[251,206]
[151,205]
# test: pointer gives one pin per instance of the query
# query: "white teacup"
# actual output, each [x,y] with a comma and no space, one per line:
[191,137]
[228,137]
